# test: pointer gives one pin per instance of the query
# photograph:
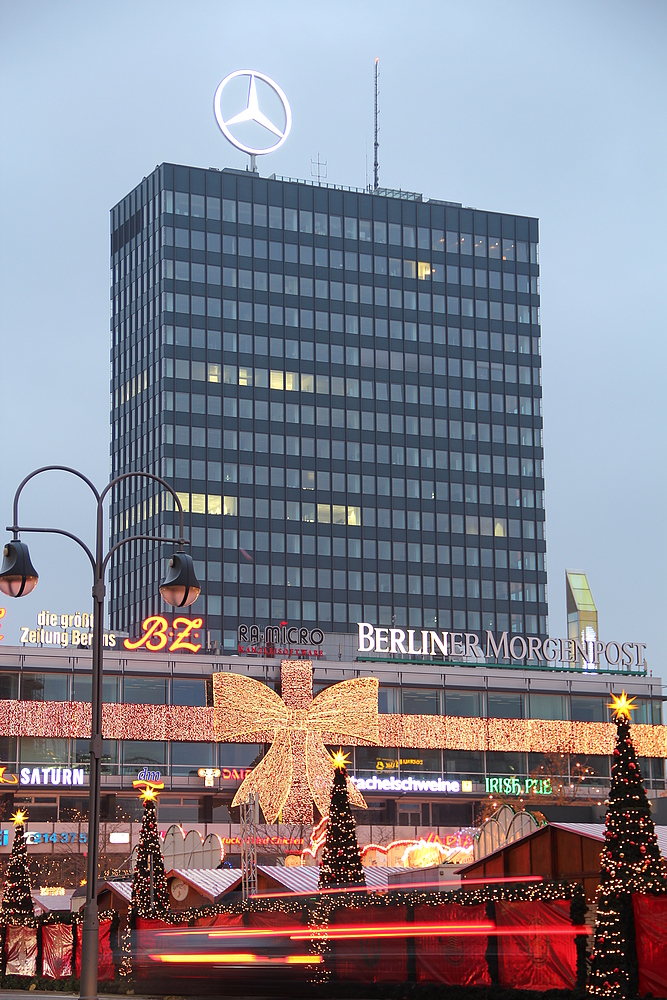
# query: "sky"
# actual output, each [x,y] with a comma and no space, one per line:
[552,109]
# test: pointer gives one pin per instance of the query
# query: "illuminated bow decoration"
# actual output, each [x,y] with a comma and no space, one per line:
[297,760]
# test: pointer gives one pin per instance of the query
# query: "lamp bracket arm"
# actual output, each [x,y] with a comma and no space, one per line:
[15,528]
[49,468]
[139,538]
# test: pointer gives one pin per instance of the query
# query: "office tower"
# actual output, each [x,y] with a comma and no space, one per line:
[344,387]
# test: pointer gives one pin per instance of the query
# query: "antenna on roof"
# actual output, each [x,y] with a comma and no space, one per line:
[318,168]
[376,144]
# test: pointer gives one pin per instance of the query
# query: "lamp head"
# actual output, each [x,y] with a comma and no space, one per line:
[18,576]
[180,587]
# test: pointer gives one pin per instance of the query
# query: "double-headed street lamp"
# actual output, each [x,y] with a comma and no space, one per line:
[180,588]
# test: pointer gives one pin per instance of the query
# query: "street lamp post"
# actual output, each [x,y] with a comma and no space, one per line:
[180,588]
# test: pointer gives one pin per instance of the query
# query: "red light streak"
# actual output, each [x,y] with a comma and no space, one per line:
[452,929]
[370,930]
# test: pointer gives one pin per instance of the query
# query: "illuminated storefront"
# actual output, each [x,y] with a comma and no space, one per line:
[450,736]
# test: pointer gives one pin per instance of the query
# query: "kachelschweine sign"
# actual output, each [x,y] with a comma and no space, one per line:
[516,648]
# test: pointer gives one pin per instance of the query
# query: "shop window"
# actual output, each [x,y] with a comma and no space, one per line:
[588,709]
[188,691]
[548,706]
[464,764]
[37,750]
[465,704]
[145,691]
[504,705]
[376,760]
[82,688]
[416,761]
[239,754]
[137,754]
[44,687]
[387,696]
[187,758]
[9,686]
[110,755]
[8,747]
[506,764]
[421,701]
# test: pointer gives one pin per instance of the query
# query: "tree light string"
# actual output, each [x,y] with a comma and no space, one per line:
[227,721]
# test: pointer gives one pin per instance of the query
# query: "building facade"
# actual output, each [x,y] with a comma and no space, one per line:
[52,772]
[344,388]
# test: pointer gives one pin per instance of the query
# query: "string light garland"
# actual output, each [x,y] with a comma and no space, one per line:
[297,769]
[630,863]
[63,720]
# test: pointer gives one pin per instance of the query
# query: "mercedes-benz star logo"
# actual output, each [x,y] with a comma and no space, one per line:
[252,113]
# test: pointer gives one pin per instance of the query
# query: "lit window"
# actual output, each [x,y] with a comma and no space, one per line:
[354,515]
[338,514]
[423,270]
[185,501]
[308,512]
[230,506]
[307,383]
[500,527]
[291,381]
[213,373]
[214,504]
[245,375]
[198,503]
[324,513]
[277,380]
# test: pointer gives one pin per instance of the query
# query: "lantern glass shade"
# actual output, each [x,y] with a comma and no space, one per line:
[180,587]
[18,576]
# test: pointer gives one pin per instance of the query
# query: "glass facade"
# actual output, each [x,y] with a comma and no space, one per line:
[345,390]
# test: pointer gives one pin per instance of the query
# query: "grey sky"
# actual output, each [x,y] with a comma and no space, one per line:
[549,109]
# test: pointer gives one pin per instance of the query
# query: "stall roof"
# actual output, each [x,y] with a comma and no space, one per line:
[122,889]
[304,880]
[297,880]
[211,882]
[53,904]
[596,830]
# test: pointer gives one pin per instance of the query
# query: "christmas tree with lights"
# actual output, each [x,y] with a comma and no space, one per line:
[630,863]
[150,896]
[17,898]
[341,861]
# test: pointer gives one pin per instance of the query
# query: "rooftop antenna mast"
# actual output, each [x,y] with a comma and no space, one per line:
[318,168]
[376,144]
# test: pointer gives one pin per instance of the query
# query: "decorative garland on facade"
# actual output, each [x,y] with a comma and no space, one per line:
[331,717]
